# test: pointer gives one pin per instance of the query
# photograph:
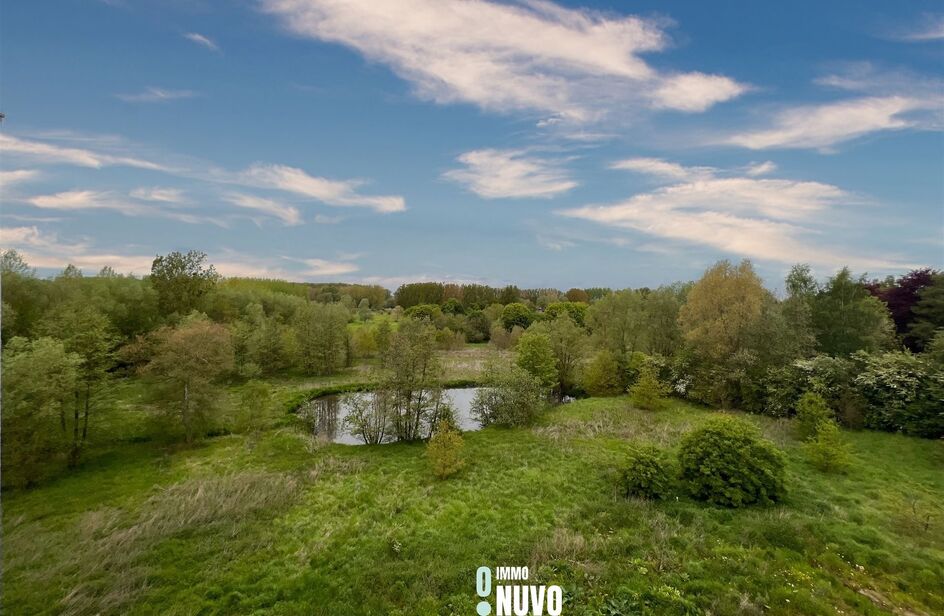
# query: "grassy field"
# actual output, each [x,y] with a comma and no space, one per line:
[280,524]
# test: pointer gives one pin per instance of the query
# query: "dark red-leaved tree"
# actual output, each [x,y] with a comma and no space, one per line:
[900,296]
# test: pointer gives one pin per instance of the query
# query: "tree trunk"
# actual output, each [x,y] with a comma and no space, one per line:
[74,453]
[186,413]
[88,395]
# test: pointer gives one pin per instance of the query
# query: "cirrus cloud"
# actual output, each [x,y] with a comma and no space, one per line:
[532,55]
[761,218]
[496,174]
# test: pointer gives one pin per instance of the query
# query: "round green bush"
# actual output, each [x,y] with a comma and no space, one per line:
[646,474]
[727,462]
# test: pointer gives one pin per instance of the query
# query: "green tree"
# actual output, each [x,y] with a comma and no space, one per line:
[382,338]
[263,344]
[39,378]
[413,378]
[569,345]
[648,392]
[577,296]
[826,449]
[847,318]
[601,376]
[23,295]
[518,314]
[510,397]
[928,312]
[188,361]
[661,308]
[618,322]
[536,355]
[797,309]
[86,332]
[577,311]
[444,451]
[321,331]
[181,280]
[509,295]
[415,293]
[255,406]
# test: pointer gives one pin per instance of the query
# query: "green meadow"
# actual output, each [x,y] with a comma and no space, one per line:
[280,523]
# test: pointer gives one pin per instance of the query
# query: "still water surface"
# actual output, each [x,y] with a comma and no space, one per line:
[326,414]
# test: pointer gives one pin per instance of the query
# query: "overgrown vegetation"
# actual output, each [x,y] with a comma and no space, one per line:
[278,528]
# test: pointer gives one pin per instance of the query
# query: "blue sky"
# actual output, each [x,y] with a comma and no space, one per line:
[537,143]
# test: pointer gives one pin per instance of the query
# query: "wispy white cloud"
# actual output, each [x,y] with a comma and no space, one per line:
[887,100]
[79,200]
[323,267]
[341,193]
[930,29]
[822,126]
[44,152]
[557,244]
[8,178]
[531,55]
[202,40]
[497,174]
[159,194]
[112,152]
[152,94]
[287,214]
[766,219]
[47,250]
[764,168]
[661,169]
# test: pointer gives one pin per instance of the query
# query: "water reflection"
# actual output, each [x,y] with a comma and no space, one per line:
[325,416]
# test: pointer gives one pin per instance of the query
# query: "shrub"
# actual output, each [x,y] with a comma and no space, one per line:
[726,462]
[903,393]
[830,377]
[444,450]
[634,365]
[448,340]
[512,397]
[501,338]
[601,376]
[649,392]
[826,449]
[646,474]
[424,312]
[453,306]
[811,411]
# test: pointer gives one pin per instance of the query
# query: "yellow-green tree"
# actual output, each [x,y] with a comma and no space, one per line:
[723,309]
[187,362]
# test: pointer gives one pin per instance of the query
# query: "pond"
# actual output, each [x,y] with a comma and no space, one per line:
[325,416]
